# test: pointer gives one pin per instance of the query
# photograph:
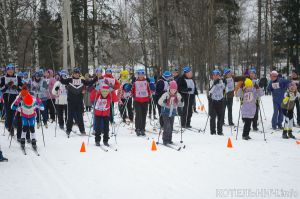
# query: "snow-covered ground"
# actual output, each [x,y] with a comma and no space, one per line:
[205,169]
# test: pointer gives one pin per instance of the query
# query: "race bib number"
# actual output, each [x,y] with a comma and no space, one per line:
[248,97]
[141,89]
[127,94]
[110,81]
[230,85]
[76,82]
[101,105]
[11,79]
[275,85]
[62,91]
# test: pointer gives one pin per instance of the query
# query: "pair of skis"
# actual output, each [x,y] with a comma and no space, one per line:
[33,149]
[173,146]
[108,148]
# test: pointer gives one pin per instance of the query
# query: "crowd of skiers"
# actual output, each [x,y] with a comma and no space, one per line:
[27,102]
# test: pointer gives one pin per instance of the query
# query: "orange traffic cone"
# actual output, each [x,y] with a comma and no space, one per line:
[297,142]
[229,144]
[82,149]
[153,147]
[202,108]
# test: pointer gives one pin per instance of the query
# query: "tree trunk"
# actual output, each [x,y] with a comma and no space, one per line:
[161,9]
[228,39]
[85,38]
[258,48]
[70,31]
[36,61]
[7,39]
[96,41]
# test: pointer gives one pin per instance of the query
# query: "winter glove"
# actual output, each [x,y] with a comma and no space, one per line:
[215,82]
[41,108]
[14,107]
[127,87]
[286,99]
[152,87]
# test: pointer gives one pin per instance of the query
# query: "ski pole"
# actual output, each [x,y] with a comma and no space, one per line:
[262,106]
[122,114]
[93,117]
[40,116]
[55,112]
[237,128]
[262,124]
[187,109]
[112,123]
[204,130]
[11,136]
[160,129]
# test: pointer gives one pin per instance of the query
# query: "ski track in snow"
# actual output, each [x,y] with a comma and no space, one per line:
[136,172]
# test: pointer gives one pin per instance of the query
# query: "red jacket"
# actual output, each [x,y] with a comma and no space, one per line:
[141,91]
[102,105]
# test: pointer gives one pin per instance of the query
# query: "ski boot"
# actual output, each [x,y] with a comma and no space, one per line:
[22,142]
[143,133]
[138,132]
[106,144]
[2,159]
[290,135]
[68,133]
[33,142]
[284,134]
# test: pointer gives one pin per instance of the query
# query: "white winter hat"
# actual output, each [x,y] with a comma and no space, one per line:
[274,73]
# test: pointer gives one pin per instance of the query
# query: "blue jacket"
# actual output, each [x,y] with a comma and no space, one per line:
[278,88]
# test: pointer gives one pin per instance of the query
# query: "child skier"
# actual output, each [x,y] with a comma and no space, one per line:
[188,90]
[39,89]
[75,87]
[10,85]
[255,82]
[295,79]
[277,86]
[169,103]
[228,95]
[141,95]
[27,105]
[102,113]
[248,94]
[114,85]
[49,77]
[125,96]
[162,86]
[59,90]
[287,106]
[215,103]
